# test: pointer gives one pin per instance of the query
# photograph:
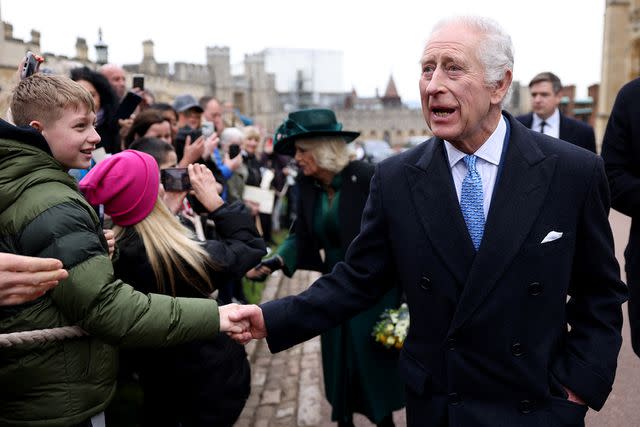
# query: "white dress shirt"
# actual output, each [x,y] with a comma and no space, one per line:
[552,126]
[487,163]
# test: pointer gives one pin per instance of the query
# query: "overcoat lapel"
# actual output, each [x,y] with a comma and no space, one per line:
[517,201]
[434,196]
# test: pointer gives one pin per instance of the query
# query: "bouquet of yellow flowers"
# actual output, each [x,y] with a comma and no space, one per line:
[392,328]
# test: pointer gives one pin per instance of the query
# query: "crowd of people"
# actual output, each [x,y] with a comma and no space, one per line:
[131,221]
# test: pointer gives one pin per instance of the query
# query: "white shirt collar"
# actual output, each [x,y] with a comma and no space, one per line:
[490,151]
[553,121]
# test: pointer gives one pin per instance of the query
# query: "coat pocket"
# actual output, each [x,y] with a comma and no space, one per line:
[566,413]
[413,373]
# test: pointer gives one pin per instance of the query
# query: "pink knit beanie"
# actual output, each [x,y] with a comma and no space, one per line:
[126,184]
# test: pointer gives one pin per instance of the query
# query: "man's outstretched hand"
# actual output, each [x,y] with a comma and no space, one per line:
[249,316]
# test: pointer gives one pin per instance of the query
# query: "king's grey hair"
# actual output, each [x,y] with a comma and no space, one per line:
[495,48]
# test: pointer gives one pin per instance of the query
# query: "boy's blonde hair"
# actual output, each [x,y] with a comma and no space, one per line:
[44,98]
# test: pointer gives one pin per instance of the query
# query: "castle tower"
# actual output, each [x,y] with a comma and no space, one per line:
[391,99]
[219,62]
[82,50]
[147,50]
[148,64]
[35,37]
[262,96]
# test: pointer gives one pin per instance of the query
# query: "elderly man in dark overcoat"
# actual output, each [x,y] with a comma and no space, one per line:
[500,238]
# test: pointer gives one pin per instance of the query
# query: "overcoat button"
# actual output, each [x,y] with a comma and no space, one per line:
[425,283]
[517,349]
[454,398]
[535,288]
[451,343]
[526,406]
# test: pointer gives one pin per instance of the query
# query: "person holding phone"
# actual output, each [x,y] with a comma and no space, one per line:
[149,123]
[189,111]
[116,76]
[231,141]
[106,104]
[199,383]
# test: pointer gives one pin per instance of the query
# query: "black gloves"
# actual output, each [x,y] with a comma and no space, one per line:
[273,263]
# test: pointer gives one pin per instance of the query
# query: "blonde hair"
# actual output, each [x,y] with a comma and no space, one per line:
[251,132]
[45,97]
[329,152]
[170,246]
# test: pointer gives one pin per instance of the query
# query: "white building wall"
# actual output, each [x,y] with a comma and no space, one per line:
[322,70]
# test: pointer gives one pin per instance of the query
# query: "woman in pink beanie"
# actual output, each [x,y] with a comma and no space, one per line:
[197,383]
[126,184]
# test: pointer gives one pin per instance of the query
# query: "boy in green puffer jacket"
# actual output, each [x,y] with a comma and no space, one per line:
[42,214]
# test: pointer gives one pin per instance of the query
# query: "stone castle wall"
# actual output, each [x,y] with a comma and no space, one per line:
[253,93]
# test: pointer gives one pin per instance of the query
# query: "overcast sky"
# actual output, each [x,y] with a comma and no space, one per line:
[378,37]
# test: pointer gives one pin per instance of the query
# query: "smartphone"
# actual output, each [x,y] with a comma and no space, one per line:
[30,65]
[128,105]
[100,212]
[181,139]
[138,81]
[175,179]
[207,129]
[234,150]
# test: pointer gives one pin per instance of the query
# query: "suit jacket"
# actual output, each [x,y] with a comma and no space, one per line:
[488,343]
[621,154]
[571,130]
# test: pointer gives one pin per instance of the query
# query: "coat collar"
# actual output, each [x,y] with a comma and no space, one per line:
[25,134]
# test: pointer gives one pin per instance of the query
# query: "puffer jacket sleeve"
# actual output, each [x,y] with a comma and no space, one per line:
[92,298]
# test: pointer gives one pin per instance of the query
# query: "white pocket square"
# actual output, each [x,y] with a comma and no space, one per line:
[553,235]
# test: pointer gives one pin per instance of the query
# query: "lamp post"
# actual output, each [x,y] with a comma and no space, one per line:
[102,50]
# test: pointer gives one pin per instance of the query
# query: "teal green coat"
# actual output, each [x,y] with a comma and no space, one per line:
[64,382]
[359,374]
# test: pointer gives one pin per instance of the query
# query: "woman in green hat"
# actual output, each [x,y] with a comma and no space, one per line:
[359,374]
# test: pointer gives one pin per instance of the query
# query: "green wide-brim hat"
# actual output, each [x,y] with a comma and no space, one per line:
[310,123]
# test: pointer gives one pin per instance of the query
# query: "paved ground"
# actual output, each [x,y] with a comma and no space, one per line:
[287,387]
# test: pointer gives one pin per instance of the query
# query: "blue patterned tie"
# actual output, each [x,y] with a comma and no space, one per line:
[471,201]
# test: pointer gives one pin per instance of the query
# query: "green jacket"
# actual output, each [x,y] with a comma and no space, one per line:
[64,382]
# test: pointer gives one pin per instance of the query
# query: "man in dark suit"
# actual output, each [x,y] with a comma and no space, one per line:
[488,227]
[546,117]
[621,154]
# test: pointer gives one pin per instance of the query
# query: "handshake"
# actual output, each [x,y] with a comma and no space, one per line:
[245,322]
[242,322]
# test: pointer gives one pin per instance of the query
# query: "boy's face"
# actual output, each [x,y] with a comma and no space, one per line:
[72,138]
